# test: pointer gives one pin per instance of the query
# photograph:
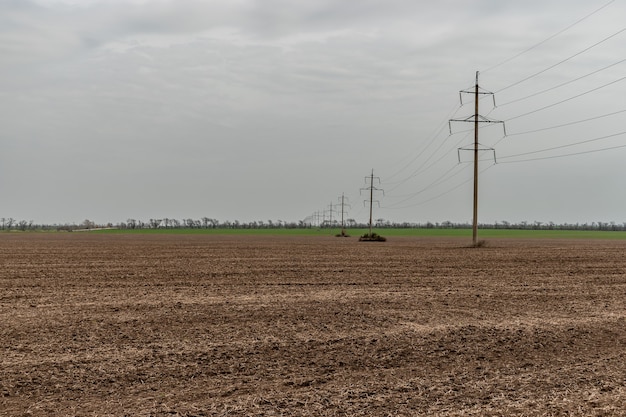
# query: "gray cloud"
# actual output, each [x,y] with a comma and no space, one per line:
[248,110]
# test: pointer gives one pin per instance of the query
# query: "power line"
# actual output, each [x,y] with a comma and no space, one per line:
[566,100]
[561,62]
[564,146]
[561,85]
[565,155]
[438,181]
[422,152]
[567,124]
[430,153]
[548,39]
[442,194]
[437,131]
[423,169]
[445,177]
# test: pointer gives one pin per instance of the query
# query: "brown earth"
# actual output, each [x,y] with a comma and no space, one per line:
[160,325]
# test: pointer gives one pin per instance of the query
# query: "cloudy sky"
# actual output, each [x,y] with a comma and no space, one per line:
[271,109]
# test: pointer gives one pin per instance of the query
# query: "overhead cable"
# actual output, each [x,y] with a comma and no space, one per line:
[567,124]
[562,84]
[547,39]
[563,146]
[564,155]
[567,99]
[442,194]
[562,61]
[423,169]
[438,181]
[434,137]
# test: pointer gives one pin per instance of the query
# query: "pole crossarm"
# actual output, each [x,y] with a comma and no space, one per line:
[495,160]
[477,93]
[476,119]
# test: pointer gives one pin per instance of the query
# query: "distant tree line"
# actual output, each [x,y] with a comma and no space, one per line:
[523,225]
[11,224]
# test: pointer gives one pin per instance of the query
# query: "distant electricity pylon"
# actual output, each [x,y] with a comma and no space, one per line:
[371,189]
[343,212]
[476,118]
[317,215]
[330,212]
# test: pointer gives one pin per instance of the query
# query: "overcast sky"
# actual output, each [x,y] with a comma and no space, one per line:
[271,109]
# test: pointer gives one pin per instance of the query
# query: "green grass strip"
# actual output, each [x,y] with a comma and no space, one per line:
[461,233]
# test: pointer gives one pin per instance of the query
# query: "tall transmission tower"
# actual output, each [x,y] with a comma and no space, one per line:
[476,119]
[371,189]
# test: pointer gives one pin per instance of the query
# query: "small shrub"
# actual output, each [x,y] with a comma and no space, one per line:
[374,237]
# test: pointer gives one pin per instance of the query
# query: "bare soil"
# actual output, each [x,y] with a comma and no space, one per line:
[159,325]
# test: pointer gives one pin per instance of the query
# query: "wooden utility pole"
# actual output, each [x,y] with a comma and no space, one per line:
[476,118]
[475,216]
[343,231]
[371,198]
[371,189]
[343,211]
[330,214]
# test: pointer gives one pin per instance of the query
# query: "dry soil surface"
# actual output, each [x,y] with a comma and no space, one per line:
[162,325]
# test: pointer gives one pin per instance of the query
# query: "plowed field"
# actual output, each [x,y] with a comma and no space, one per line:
[162,325]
